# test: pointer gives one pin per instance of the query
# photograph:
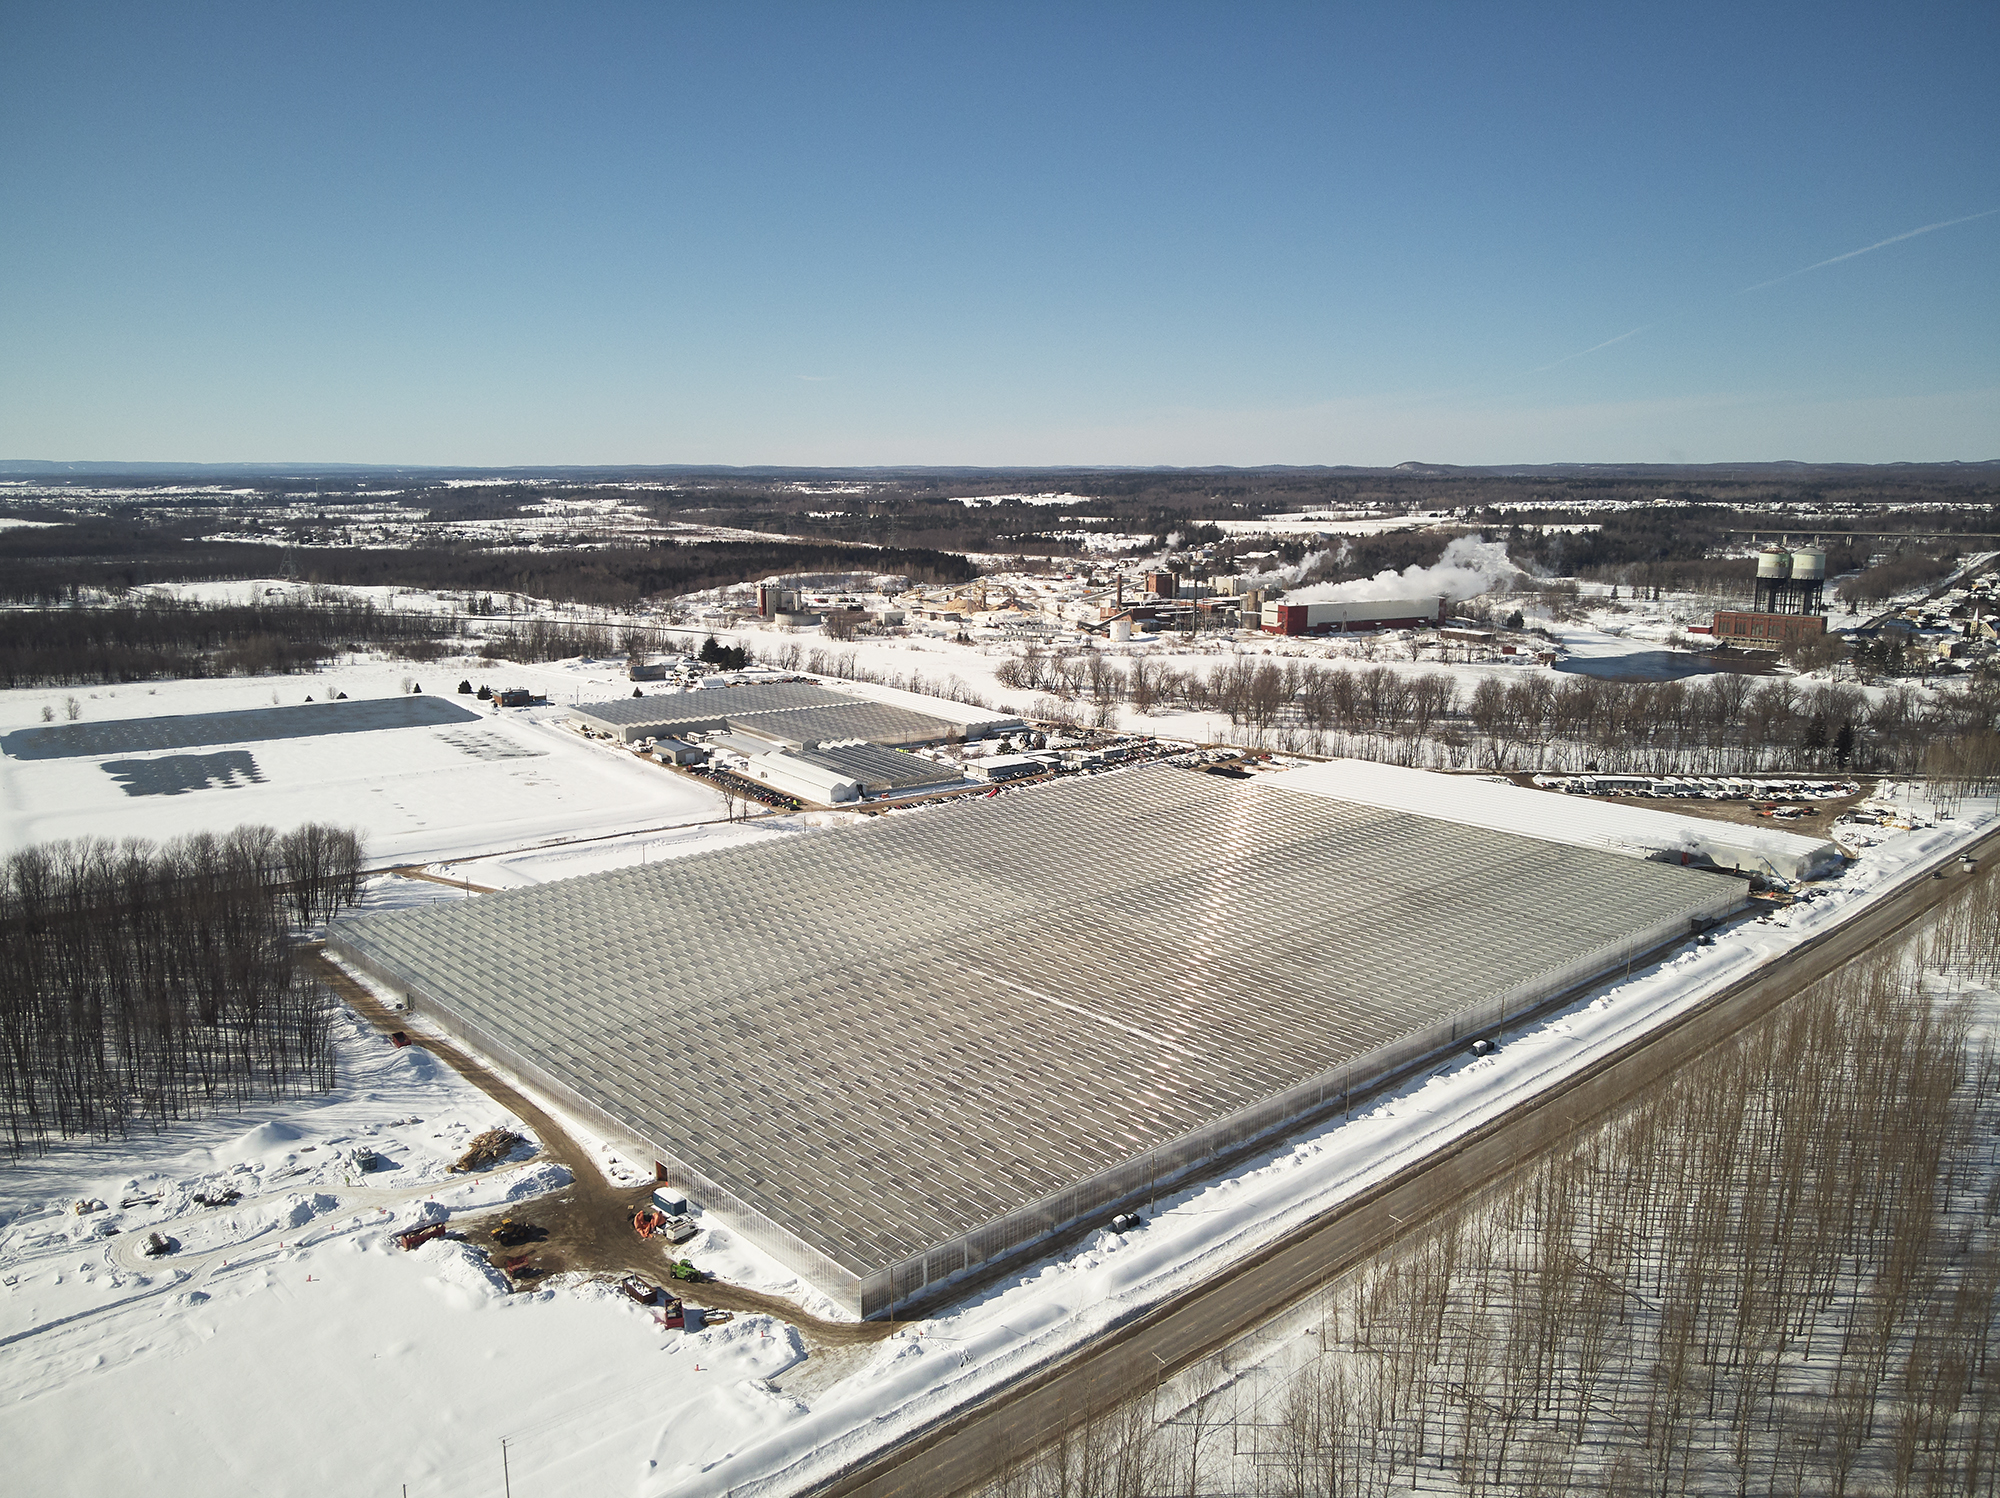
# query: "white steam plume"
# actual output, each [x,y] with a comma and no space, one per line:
[1470,566]
[1284,577]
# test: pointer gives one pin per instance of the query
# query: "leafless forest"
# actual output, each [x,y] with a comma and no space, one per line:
[161,638]
[1775,1275]
[142,983]
[1719,724]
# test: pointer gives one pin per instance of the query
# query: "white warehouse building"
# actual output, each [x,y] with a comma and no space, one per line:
[802,778]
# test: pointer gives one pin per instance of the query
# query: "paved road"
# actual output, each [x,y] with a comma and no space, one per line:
[974,1445]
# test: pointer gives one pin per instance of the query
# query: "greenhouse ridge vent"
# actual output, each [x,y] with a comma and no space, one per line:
[892,1054]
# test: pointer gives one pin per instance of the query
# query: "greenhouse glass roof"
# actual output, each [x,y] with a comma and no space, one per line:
[786,712]
[883,1036]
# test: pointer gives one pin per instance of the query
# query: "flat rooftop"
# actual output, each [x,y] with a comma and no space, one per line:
[241,726]
[883,1038]
[877,769]
[709,703]
[790,713]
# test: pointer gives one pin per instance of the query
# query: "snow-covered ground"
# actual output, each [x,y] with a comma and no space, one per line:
[503,780]
[1311,522]
[1631,831]
[290,1347]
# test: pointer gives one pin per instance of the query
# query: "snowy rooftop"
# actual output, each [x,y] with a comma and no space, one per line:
[1634,831]
[887,1037]
[876,721]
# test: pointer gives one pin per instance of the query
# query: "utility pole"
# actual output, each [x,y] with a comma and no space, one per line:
[505,1476]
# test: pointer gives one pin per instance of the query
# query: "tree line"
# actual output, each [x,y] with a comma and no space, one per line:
[1922,566]
[1723,723]
[141,982]
[63,563]
[162,638]
[1778,1272]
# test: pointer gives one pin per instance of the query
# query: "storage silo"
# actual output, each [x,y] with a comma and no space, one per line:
[1808,589]
[1774,575]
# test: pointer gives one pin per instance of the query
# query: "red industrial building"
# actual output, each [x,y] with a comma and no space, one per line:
[1346,616]
[1742,626]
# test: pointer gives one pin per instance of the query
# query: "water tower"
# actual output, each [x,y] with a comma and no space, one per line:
[1791,582]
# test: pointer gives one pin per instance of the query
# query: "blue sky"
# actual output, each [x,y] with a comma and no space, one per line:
[1008,233]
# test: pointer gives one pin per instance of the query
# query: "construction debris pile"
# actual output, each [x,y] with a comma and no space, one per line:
[489,1149]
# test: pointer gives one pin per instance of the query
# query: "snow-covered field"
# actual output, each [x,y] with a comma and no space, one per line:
[503,780]
[1309,522]
[290,1347]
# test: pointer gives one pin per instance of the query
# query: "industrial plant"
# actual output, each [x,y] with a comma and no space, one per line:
[1346,616]
[1789,604]
[905,1054]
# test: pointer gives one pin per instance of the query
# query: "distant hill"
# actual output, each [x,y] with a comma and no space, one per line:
[36,468]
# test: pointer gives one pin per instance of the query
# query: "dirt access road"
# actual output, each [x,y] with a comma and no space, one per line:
[587,1226]
[969,1447]
[418,871]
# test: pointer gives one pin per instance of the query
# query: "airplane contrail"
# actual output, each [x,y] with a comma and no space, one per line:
[1593,348]
[1865,249]
[1788,275]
